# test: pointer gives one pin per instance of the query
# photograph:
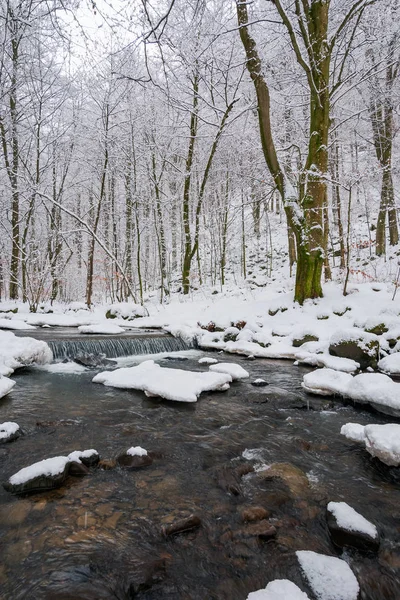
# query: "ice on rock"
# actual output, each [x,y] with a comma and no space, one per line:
[232,369]
[329,577]
[101,328]
[327,382]
[6,385]
[279,589]
[354,432]
[349,519]
[171,384]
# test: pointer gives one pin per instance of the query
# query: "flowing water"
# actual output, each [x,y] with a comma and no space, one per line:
[101,536]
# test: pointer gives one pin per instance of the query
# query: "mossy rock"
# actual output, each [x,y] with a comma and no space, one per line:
[322,317]
[341,312]
[110,315]
[297,342]
[378,329]
[363,352]
[9,310]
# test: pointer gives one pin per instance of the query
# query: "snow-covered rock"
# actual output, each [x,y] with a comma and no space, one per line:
[135,457]
[326,360]
[381,441]
[21,351]
[50,473]
[171,384]
[279,589]
[9,431]
[6,385]
[390,364]
[326,382]
[329,577]
[232,369]
[375,389]
[101,328]
[354,432]
[348,528]
[206,360]
[125,310]
[357,345]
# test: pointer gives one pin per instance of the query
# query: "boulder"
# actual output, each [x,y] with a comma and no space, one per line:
[357,345]
[297,342]
[93,360]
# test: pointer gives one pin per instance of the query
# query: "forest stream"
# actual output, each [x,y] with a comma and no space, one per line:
[104,536]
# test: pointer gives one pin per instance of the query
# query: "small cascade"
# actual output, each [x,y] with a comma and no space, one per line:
[114,347]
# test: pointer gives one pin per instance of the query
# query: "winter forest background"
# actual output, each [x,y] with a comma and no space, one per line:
[131,158]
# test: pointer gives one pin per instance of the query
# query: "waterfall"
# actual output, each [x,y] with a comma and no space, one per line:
[114,347]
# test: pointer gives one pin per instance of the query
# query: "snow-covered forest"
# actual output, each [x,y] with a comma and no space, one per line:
[199,304]
[132,163]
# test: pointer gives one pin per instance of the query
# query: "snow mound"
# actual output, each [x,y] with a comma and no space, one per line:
[14,324]
[232,369]
[349,519]
[329,577]
[326,382]
[6,386]
[171,384]
[101,328]
[279,589]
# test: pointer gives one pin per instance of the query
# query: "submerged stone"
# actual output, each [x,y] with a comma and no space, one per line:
[183,525]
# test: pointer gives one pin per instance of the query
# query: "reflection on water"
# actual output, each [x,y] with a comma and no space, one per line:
[101,536]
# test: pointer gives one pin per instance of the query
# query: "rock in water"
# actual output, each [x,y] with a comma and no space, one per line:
[348,528]
[134,458]
[9,431]
[93,360]
[183,525]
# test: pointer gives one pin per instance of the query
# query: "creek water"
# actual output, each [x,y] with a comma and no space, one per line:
[101,536]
